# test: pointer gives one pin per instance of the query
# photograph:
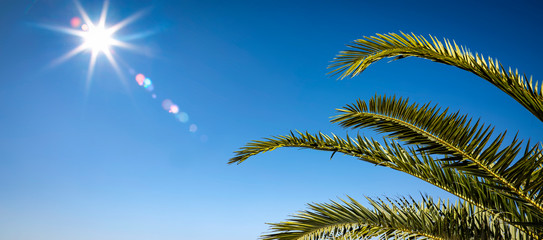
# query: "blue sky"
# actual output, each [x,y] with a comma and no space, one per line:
[106,161]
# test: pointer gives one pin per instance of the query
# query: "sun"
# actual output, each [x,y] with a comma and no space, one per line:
[96,37]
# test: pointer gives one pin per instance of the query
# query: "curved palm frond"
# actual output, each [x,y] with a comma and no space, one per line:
[392,219]
[320,141]
[413,162]
[371,49]
[465,146]
[502,184]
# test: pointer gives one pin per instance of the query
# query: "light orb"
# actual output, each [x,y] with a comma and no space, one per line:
[148,85]
[182,117]
[75,22]
[167,104]
[193,128]
[174,109]
[140,78]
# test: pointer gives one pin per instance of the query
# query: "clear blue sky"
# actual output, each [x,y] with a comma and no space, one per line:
[105,161]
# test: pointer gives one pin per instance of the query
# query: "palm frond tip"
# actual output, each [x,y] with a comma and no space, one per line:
[368,50]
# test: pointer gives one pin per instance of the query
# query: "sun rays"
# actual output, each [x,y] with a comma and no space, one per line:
[97,38]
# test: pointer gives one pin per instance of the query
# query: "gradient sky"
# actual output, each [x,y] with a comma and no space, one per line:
[105,161]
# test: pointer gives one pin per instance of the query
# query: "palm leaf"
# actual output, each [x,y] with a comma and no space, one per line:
[410,161]
[502,184]
[392,219]
[467,147]
[368,50]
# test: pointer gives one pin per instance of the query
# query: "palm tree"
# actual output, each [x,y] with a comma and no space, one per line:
[499,183]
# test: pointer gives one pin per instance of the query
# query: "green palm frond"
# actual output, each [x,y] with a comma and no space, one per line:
[465,146]
[501,184]
[368,50]
[359,148]
[392,219]
[410,161]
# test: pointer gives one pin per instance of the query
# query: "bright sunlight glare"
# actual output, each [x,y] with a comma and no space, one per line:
[98,38]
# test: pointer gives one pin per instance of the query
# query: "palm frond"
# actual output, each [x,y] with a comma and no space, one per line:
[501,183]
[392,219]
[368,50]
[318,141]
[465,146]
[410,161]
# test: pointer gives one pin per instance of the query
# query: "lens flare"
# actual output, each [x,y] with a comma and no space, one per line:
[75,22]
[193,128]
[99,38]
[140,78]
[167,104]
[148,84]
[182,117]
[150,88]
[174,109]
